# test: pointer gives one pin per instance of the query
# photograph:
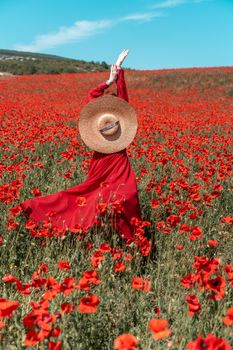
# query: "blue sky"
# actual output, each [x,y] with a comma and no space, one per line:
[159,33]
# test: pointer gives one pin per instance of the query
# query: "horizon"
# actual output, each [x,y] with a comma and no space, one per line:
[130,68]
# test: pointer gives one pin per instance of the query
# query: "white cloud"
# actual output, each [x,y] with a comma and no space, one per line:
[174,3]
[141,16]
[79,31]
[64,35]
[169,3]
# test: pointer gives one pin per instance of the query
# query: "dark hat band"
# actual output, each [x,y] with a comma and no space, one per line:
[109,126]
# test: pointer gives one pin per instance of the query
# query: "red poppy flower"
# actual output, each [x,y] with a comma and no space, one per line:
[32,338]
[15,210]
[154,203]
[43,268]
[67,286]
[105,248]
[184,228]
[36,192]
[89,304]
[193,304]
[53,288]
[91,276]
[7,307]
[83,284]
[81,201]
[217,286]
[128,257]
[173,220]
[63,265]
[55,332]
[158,327]
[228,320]
[142,284]
[188,281]
[96,258]
[213,243]
[54,345]
[228,220]
[116,254]
[134,221]
[162,227]
[30,224]
[12,225]
[102,208]
[119,267]
[116,206]
[125,342]
[196,233]
[208,343]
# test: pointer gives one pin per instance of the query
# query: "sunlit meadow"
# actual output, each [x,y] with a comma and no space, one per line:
[173,287]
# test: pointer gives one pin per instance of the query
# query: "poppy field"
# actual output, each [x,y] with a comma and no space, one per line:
[170,289]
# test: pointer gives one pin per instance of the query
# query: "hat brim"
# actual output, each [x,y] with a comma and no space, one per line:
[88,128]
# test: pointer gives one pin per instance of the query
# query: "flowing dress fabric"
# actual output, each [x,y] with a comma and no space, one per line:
[110,179]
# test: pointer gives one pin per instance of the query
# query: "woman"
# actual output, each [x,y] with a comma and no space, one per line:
[110,182]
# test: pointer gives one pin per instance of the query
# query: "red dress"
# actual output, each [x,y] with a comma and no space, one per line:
[110,181]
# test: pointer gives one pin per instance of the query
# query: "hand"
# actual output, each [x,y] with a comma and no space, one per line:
[121,58]
[113,74]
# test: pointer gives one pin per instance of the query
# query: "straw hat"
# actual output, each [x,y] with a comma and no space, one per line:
[107,124]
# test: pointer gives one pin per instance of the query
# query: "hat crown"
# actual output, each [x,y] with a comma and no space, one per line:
[107,124]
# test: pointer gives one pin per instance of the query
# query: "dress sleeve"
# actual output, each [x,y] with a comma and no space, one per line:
[97,91]
[121,85]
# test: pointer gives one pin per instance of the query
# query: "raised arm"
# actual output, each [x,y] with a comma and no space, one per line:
[116,75]
[99,89]
[121,85]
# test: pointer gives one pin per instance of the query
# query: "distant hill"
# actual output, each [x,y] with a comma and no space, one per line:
[23,63]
